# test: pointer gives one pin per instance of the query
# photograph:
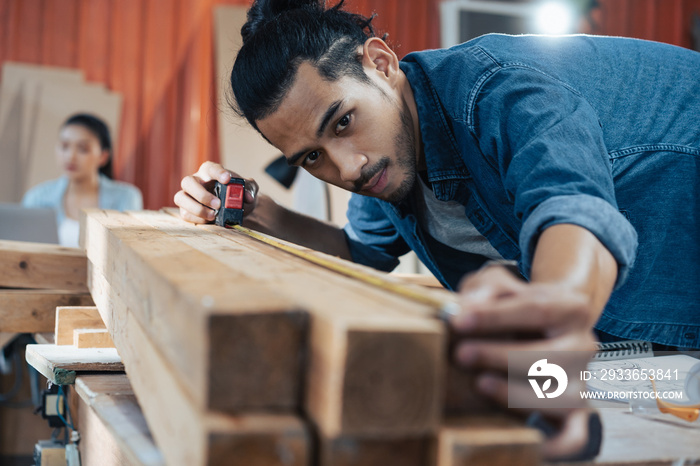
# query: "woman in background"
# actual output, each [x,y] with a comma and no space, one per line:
[84,151]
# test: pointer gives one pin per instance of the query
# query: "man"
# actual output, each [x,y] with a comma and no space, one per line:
[558,153]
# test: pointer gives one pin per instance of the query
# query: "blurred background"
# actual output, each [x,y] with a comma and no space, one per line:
[162,66]
[157,72]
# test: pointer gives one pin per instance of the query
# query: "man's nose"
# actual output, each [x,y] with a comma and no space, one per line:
[349,164]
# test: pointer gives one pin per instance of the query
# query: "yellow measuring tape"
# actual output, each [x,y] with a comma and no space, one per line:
[445,307]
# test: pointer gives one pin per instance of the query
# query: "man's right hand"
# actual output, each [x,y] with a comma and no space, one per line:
[196,201]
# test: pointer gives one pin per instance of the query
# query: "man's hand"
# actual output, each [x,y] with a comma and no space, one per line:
[500,314]
[196,201]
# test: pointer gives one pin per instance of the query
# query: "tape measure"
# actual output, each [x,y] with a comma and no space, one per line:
[232,197]
[445,307]
[230,215]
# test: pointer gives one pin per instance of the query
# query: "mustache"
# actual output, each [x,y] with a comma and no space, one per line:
[368,174]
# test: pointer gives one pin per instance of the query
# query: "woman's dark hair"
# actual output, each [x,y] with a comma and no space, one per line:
[278,36]
[99,128]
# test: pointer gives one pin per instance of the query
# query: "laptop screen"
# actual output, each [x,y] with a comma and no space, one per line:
[36,225]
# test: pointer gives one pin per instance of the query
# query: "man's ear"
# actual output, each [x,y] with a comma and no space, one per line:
[378,58]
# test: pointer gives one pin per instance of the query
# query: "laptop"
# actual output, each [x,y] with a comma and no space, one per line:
[36,225]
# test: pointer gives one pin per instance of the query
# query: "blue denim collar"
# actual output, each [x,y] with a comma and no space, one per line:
[444,162]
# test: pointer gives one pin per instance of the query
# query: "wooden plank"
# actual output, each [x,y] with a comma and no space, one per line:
[185,433]
[374,451]
[92,338]
[487,441]
[69,318]
[232,350]
[114,431]
[6,337]
[33,311]
[42,266]
[462,397]
[364,341]
[419,279]
[59,364]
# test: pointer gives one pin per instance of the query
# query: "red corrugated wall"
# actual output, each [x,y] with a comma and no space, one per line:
[159,55]
[660,20]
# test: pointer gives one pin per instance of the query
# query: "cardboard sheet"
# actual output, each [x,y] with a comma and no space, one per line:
[34,101]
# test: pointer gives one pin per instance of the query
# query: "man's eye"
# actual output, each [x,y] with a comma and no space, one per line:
[312,157]
[342,123]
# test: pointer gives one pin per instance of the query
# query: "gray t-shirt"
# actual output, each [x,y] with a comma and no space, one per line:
[447,223]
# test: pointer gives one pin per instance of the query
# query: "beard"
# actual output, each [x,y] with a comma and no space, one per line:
[405,143]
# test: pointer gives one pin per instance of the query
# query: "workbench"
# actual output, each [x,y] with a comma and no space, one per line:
[114,431]
[240,353]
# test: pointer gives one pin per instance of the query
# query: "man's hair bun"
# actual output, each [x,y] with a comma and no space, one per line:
[263,11]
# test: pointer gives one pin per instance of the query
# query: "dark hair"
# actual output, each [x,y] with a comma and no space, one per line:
[278,36]
[99,128]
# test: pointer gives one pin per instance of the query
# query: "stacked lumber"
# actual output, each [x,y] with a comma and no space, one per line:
[81,343]
[35,278]
[242,354]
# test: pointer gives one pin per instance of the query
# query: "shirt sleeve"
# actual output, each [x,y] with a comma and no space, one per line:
[45,194]
[133,200]
[372,238]
[119,195]
[547,144]
[31,198]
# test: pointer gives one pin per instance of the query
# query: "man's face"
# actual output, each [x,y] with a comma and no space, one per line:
[354,135]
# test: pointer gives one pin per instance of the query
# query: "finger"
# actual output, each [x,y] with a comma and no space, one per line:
[538,308]
[188,217]
[488,283]
[251,191]
[196,189]
[574,350]
[507,391]
[571,439]
[209,171]
[191,210]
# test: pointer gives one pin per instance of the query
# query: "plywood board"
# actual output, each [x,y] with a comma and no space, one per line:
[60,364]
[34,311]
[69,318]
[92,338]
[42,266]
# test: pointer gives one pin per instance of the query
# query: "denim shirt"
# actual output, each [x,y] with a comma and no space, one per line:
[531,131]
